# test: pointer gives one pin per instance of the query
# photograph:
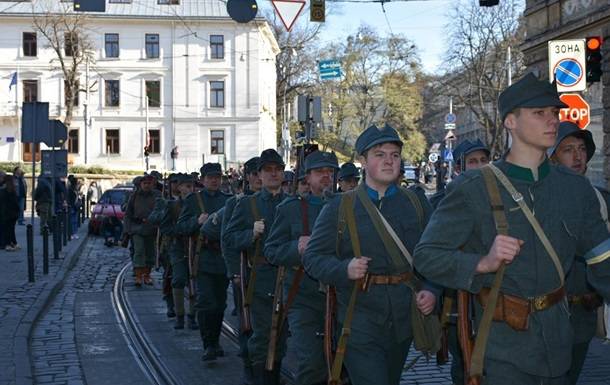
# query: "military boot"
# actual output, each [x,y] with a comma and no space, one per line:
[179,322]
[274,375]
[205,326]
[217,330]
[138,275]
[178,295]
[147,279]
[259,374]
[248,376]
[192,322]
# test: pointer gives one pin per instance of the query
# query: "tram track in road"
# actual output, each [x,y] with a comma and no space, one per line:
[148,357]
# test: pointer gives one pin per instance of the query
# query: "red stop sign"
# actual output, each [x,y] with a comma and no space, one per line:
[578,110]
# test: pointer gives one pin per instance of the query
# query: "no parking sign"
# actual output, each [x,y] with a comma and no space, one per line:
[567,64]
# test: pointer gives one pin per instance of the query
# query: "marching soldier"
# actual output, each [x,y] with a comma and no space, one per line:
[348,177]
[207,262]
[252,184]
[288,182]
[302,184]
[285,246]
[507,233]
[248,230]
[573,149]
[353,247]
[139,207]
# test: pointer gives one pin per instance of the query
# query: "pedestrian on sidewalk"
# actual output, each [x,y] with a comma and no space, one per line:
[22,192]
[9,212]
[74,204]
[43,199]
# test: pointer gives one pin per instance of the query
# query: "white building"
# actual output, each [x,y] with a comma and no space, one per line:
[209,82]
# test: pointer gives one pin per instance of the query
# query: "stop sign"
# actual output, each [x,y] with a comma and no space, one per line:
[578,110]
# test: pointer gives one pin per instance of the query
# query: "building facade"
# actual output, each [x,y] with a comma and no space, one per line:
[167,75]
[575,19]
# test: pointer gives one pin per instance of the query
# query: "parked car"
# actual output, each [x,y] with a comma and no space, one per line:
[409,174]
[109,205]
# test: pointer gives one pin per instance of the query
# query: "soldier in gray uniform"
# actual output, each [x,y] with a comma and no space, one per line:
[348,177]
[530,341]
[210,267]
[573,149]
[139,207]
[284,247]
[381,327]
[248,230]
[252,184]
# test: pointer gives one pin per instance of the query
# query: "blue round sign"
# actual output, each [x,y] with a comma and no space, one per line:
[450,118]
[568,72]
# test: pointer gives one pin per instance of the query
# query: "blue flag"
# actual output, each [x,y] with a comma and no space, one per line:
[13,81]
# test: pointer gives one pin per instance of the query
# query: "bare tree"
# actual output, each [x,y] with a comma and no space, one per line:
[476,64]
[66,34]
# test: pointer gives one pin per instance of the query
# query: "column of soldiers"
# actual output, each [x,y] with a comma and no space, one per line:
[519,249]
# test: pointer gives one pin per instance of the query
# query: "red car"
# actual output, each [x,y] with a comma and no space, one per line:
[109,205]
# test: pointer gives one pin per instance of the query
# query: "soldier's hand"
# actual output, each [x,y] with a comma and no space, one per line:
[357,268]
[504,250]
[426,301]
[258,229]
[202,218]
[303,240]
[236,280]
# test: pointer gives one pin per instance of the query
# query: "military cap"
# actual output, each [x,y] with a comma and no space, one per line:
[270,156]
[147,177]
[195,174]
[529,92]
[156,174]
[210,169]
[185,178]
[374,135]
[288,176]
[468,147]
[348,170]
[136,181]
[319,159]
[571,129]
[251,165]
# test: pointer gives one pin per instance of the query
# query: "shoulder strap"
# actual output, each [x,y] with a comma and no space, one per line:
[200,202]
[304,217]
[419,209]
[341,222]
[254,208]
[517,197]
[603,207]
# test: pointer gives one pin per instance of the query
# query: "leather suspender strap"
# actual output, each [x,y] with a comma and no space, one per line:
[298,275]
[480,344]
[517,197]
[419,209]
[347,323]
[255,257]
[200,202]
[199,240]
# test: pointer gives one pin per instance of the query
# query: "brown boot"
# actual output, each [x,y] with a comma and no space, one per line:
[138,274]
[147,279]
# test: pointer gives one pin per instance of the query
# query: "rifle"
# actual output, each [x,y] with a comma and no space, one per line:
[442,356]
[276,316]
[465,329]
[246,323]
[158,236]
[192,262]
[329,331]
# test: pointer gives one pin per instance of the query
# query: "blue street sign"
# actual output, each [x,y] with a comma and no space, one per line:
[450,118]
[329,69]
[330,74]
[448,156]
[568,72]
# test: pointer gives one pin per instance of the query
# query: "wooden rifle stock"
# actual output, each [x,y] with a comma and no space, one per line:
[329,331]
[246,323]
[192,265]
[465,334]
[276,316]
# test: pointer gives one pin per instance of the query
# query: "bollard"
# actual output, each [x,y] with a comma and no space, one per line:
[69,222]
[56,243]
[30,242]
[45,249]
[64,227]
[88,207]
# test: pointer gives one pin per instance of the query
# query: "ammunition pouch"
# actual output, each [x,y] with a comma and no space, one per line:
[515,311]
[589,301]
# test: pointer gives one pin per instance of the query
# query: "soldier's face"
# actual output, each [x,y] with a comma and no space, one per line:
[185,188]
[146,185]
[211,182]
[534,127]
[572,153]
[272,176]
[320,179]
[303,187]
[382,163]
[475,160]
[348,184]
[254,180]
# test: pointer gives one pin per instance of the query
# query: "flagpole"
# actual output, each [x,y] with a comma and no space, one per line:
[18,139]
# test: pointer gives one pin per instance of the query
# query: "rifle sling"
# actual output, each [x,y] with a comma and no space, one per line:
[202,208]
[255,257]
[298,275]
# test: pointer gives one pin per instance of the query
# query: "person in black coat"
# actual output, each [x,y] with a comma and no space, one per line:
[9,212]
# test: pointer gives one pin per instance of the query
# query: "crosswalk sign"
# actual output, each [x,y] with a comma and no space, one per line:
[448,156]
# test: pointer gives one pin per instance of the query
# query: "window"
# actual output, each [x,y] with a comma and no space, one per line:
[111,44]
[119,1]
[154,141]
[153,93]
[217,94]
[70,44]
[170,2]
[75,93]
[27,152]
[30,47]
[112,142]
[30,90]
[217,46]
[73,141]
[217,141]
[152,45]
[112,93]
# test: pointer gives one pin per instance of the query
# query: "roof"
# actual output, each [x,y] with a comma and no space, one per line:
[187,9]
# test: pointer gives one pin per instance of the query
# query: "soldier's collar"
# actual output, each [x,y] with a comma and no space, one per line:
[374,195]
[267,195]
[314,200]
[525,174]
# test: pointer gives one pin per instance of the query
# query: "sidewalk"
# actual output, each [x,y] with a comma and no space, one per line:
[22,302]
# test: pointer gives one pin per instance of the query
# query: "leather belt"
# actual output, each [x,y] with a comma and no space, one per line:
[589,301]
[379,279]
